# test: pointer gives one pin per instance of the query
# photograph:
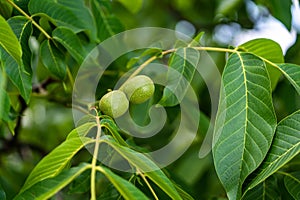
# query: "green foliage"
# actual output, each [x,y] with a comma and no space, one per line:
[42,47]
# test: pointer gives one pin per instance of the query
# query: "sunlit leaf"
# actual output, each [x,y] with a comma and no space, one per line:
[126,189]
[245,122]
[285,146]
[292,184]
[52,164]
[132,5]
[269,50]
[9,42]
[184,61]
[71,42]
[49,187]
[81,131]
[53,59]
[227,6]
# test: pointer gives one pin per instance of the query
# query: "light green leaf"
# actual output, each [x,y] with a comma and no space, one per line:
[227,6]
[18,75]
[196,40]
[71,42]
[285,146]
[22,28]
[126,189]
[132,5]
[184,61]
[269,50]
[4,99]
[144,164]
[114,130]
[81,131]
[107,24]
[53,59]
[292,184]
[9,41]
[49,187]
[292,73]
[64,13]
[52,164]
[142,57]
[267,190]
[245,122]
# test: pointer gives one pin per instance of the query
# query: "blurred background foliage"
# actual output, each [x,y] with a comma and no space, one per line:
[39,127]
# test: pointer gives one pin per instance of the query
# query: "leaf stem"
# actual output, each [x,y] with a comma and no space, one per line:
[147,183]
[29,18]
[94,161]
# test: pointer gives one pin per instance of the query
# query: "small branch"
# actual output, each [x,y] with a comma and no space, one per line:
[29,18]
[94,161]
[147,183]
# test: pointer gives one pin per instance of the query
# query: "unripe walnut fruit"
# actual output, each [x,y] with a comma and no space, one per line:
[114,103]
[138,89]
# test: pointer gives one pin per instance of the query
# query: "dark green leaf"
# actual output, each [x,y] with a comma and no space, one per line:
[107,24]
[4,99]
[126,189]
[292,73]
[9,41]
[5,9]
[148,167]
[64,13]
[184,61]
[2,193]
[18,75]
[53,59]
[71,42]
[285,146]
[269,50]
[52,164]
[267,190]
[81,184]
[22,27]
[292,184]
[245,122]
[49,187]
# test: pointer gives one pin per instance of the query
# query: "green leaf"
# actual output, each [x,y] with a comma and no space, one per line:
[292,73]
[107,24]
[269,50]
[64,13]
[49,187]
[126,189]
[52,164]
[196,40]
[22,28]
[53,59]
[292,184]
[285,146]
[142,57]
[227,6]
[9,41]
[148,167]
[82,130]
[5,9]
[81,184]
[4,99]
[245,122]
[114,130]
[132,5]
[18,75]
[184,61]
[267,190]
[71,42]
[2,193]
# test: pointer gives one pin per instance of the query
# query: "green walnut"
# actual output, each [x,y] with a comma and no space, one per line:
[138,89]
[114,103]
